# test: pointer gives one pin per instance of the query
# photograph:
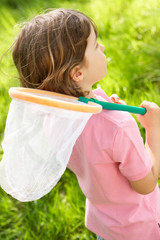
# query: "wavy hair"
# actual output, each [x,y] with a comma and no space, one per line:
[49,46]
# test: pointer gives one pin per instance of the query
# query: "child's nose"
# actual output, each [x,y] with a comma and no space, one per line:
[102,47]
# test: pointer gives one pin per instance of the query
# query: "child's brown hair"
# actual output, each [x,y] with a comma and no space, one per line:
[49,46]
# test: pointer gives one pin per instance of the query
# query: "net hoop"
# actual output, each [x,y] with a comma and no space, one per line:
[53,99]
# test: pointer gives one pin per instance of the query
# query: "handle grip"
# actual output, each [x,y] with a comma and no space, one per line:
[115,106]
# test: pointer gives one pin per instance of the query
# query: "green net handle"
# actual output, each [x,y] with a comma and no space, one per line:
[115,106]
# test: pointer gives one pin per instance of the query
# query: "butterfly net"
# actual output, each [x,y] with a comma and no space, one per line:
[37,145]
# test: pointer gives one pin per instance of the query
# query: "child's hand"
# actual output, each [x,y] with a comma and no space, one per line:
[151,119]
[115,99]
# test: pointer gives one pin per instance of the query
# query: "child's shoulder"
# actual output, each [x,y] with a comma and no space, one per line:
[116,118]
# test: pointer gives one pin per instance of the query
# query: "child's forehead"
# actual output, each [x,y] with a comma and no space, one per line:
[93,34]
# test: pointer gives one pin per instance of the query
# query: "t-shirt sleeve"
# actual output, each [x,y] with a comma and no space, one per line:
[129,151]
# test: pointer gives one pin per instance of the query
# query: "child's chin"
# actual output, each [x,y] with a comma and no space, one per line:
[105,74]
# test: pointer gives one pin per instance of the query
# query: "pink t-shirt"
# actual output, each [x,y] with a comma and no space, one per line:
[108,153]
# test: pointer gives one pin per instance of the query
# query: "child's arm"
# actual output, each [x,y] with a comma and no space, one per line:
[151,122]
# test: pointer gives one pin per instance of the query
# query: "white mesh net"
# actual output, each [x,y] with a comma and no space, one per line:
[37,145]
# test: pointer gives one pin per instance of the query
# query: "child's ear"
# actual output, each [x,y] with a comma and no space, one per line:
[76,74]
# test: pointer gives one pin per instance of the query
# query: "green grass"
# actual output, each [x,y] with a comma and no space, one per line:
[130,32]
[59,215]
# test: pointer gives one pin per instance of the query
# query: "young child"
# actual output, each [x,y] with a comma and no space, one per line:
[58,51]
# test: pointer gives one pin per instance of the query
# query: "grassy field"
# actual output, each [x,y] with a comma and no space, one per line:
[130,31]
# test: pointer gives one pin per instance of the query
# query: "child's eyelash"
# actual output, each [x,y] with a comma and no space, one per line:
[97,45]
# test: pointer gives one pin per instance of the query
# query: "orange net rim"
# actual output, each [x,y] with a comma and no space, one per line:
[29,95]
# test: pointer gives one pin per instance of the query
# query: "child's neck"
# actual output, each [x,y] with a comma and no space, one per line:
[90,95]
